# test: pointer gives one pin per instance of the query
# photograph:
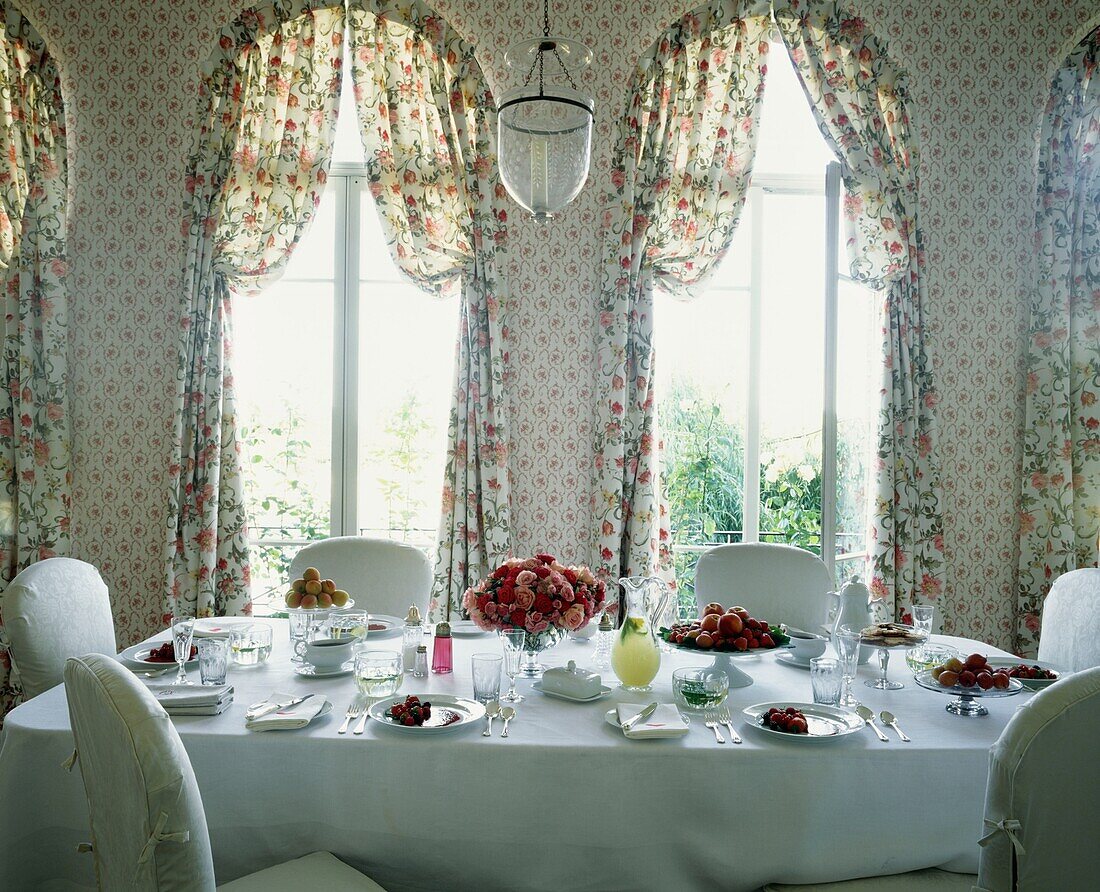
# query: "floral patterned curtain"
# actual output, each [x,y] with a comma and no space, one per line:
[860,103]
[684,152]
[34,417]
[429,132]
[269,100]
[1060,500]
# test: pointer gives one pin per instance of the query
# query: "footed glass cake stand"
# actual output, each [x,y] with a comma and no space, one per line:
[882,683]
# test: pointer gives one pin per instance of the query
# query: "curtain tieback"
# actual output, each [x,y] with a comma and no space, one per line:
[158,836]
[71,761]
[1007,826]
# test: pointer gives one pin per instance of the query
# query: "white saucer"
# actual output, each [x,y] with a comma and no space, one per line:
[467,628]
[789,659]
[604,691]
[311,671]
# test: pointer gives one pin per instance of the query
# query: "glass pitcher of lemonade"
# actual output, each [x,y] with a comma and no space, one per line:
[635,652]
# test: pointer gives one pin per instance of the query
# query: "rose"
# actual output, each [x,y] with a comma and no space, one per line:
[524,597]
[573,618]
[525,577]
[518,618]
[543,604]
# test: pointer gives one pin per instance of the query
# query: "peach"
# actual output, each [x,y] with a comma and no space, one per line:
[324,600]
[299,586]
[730,625]
[309,601]
[339,598]
[328,586]
[710,622]
[693,634]
[948,678]
[313,587]
[293,599]
[954,665]
[704,641]
[312,574]
[714,607]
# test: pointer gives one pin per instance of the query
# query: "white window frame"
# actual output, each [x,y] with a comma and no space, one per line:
[830,188]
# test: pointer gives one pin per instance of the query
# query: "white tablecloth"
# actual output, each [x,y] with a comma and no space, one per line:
[566,803]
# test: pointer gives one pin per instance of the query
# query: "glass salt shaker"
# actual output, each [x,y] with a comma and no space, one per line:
[442,655]
[420,661]
[411,636]
[605,635]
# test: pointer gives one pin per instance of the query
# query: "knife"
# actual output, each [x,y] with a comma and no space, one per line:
[275,707]
[629,724]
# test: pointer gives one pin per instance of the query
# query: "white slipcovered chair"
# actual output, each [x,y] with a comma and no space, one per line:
[1041,806]
[149,830]
[1070,636]
[55,609]
[381,575]
[777,583]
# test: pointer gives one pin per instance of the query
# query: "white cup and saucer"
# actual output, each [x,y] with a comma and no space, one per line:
[803,647]
[328,656]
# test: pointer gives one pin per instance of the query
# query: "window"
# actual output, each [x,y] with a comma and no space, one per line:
[768,382]
[343,374]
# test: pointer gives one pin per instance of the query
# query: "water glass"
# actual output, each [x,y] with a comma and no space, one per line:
[513,640]
[846,644]
[378,673]
[349,624]
[698,689]
[183,631]
[303,628]
[826,679]
[922,618]
[250,645]
[213,660]
[486,672]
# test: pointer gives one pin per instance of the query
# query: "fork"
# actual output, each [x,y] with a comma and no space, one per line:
[725,719]
[712,723]
[355,709]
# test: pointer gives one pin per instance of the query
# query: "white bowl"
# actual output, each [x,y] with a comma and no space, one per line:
[806,645]
[329,653]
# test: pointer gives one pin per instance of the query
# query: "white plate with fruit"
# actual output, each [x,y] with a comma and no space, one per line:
[1034,675]
[157,655]
[803,722]
[427,714]
[733,632]
[968,680]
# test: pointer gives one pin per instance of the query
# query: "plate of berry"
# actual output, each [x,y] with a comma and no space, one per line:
[430,714]
[1034,675]
[810,722]
[157,656]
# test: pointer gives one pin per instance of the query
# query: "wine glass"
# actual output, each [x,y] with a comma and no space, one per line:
[183,631]
[846,644]
[513,657]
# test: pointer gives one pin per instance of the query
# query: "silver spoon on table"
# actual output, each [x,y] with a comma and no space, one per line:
[508,713]
[888,718]
[869,717]
[492,710]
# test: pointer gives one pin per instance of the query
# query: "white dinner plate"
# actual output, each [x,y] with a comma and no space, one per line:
[448,714]
[138,653]
[467,628]
[1031,684]
[391,625]
[790,660]
[308,670]
[604,691]
[825,722]
[220,626]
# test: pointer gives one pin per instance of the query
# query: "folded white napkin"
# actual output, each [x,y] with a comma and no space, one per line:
[194,699]
[665,721]
[290,718]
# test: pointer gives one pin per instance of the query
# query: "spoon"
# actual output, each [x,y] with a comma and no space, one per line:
[507,714]
[492,710]
[869,717]
[888,718]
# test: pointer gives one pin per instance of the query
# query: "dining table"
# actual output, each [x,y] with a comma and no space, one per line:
[565,802]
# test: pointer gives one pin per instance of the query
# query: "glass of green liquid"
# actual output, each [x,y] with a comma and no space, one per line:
[697,689]
[378,673]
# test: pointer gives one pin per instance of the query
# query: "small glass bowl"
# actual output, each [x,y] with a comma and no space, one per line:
[699,688]
[250,645]
[928,656]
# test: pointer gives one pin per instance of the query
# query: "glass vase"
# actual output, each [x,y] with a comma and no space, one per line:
[534,643]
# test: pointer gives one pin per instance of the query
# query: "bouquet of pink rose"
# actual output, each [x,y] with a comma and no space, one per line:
[537,595]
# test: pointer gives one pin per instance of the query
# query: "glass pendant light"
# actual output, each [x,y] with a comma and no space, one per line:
[544,127]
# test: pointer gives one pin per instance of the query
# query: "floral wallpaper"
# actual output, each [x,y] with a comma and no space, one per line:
[979,75]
